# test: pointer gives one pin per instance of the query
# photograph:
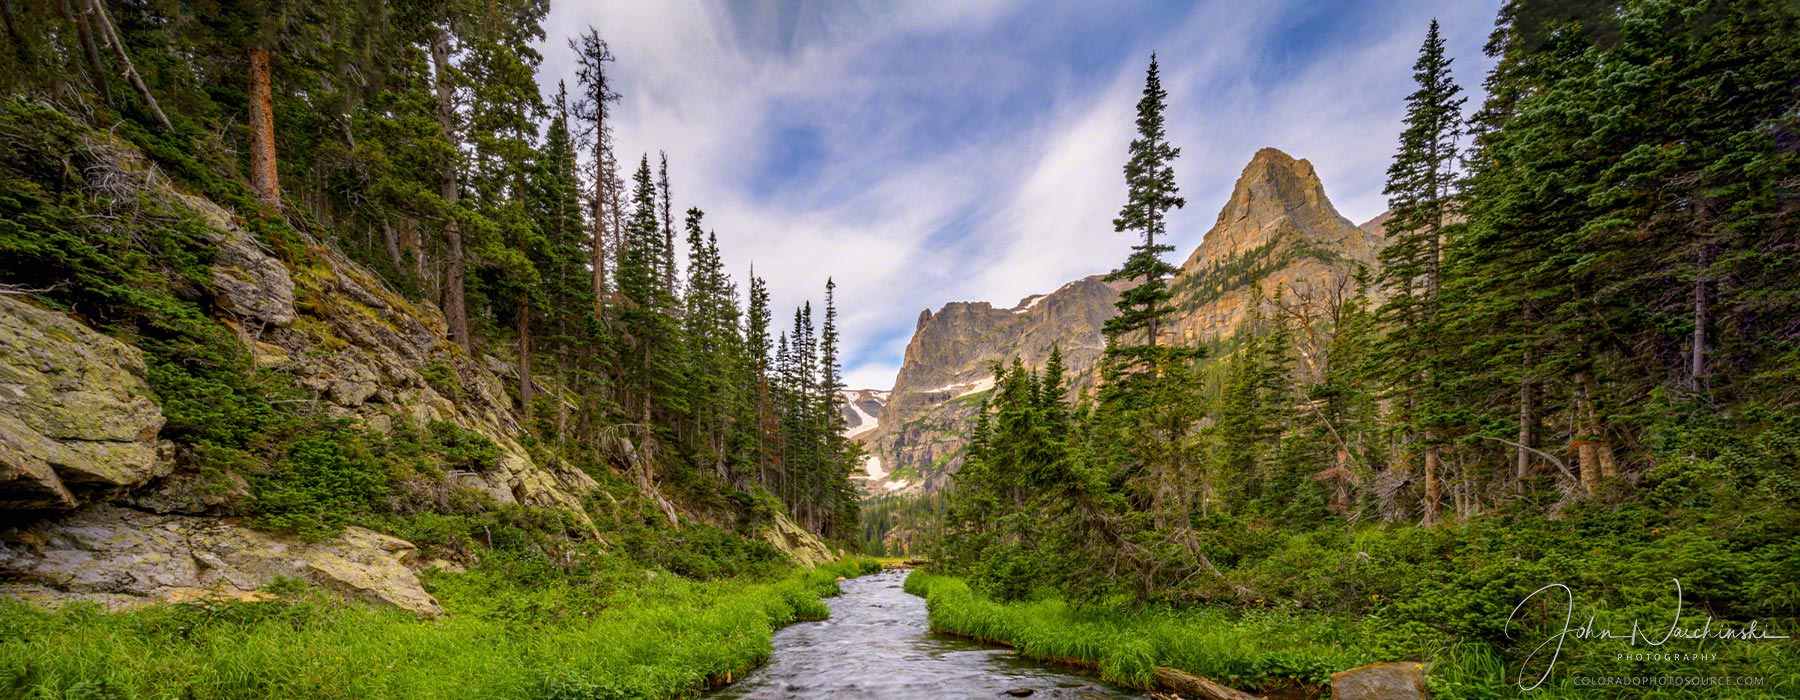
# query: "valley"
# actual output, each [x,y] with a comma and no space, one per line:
[346,354]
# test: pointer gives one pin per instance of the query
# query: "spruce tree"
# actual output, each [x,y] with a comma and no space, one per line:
[1151,193]
[1422,191]
[594,108]
[1149,396]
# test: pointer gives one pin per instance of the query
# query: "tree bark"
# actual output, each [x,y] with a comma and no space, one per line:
[1522,453]
[390,239]
[601,188]
[104,27]
[1434,487]
[455,312]
[1597,461]
[668,225]
[1702,316]
[84,34]
[614,194]
[525,358]
[263,173]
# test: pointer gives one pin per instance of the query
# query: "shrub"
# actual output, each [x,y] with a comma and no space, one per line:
[325,480]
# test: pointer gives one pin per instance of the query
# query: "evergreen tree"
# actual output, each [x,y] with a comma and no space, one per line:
[1422,191]
[594,109]
[1148,399]
[1151,193]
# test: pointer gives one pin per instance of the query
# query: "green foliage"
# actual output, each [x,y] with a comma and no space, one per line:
[900,525]
[655,636]
[443,378]
[456,447]
[332,473]
[703,552]
[326,480]
[1262,651]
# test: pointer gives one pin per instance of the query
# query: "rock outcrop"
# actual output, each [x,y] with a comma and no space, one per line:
[367,354]
[1278,236]
[124,558]
[76,419]
[800,544]
[1388,681]
[949,366]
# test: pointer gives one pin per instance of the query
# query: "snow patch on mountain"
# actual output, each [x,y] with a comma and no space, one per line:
[962,389]
[864,422]
[1030,302]
[862,410]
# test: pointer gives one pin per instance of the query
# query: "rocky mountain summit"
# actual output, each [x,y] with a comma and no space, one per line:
[1278,239]
[1278,234]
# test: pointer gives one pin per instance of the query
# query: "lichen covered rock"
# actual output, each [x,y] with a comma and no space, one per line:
[1387,681]
[123,558]
[801,545]
[76,418]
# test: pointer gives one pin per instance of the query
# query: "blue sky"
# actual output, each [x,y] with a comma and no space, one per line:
[922,153]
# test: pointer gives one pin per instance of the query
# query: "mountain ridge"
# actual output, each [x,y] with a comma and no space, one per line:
[1277,234]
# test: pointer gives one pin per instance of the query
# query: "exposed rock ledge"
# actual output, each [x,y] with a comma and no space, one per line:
[801,545]
[125,558]
[76,418]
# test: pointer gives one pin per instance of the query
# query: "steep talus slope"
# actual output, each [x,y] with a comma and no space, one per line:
[1277,235]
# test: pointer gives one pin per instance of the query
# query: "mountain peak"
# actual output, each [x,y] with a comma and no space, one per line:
[1272,157]
[1276,197]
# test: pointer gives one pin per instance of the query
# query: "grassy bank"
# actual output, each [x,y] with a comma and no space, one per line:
[1291,653]
[658,636]
[1264,651]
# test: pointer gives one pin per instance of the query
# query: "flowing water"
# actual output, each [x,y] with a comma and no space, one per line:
[877,644]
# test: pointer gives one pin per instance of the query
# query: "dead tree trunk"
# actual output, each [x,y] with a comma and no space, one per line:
[1434,482]
[601,187]
[1522,454]
[104,27]
[525,357]
[1702,317]
[1596,455]
[390,239]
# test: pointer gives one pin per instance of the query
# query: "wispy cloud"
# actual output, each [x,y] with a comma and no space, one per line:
[922,153]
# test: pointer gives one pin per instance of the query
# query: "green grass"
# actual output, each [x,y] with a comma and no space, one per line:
[1293,653]
[1261,650]
[656,636]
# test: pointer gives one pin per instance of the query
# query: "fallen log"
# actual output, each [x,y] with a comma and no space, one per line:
[1188,685]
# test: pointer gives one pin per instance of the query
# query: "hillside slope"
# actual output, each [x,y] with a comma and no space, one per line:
[209,403]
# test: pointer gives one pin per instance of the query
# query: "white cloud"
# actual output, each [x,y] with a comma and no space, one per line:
[990,210]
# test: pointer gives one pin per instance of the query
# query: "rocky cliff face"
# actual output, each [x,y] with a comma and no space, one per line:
[949,366]
[1277,236]
[1278,233]
[76,419]
[98,507]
